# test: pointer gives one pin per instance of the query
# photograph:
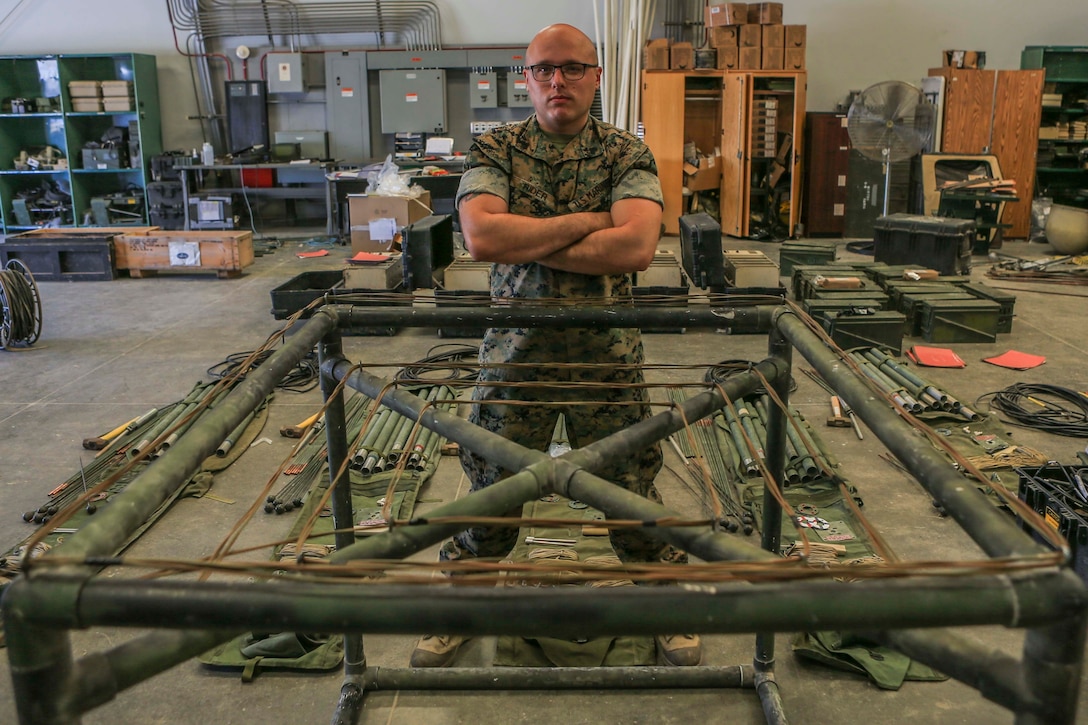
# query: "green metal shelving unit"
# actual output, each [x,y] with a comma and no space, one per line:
[1062,168]
[49,119]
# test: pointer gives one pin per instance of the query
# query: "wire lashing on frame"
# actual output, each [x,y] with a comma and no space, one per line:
[20,307]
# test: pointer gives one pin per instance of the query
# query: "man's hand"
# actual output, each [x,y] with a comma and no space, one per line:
[493,234]
[627,246]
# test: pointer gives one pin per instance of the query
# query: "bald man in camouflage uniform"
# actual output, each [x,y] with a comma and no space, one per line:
[565,207]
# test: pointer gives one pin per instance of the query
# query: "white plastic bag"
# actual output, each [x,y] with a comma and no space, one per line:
[388,181]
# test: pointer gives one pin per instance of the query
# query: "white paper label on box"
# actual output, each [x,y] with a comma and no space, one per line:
[842,179]
[715,9]
[838,210]
[382,230]
[410,76]
[347,92]
[185,254]
[411,98]
[483,85]
[285,72]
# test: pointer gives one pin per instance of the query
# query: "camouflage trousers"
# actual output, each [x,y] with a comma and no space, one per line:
[532,426]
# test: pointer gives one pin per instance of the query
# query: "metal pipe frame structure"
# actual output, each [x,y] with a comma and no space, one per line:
[188,618]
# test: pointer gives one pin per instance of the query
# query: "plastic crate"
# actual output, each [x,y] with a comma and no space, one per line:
[1048,492]
[300,291]
[938,243]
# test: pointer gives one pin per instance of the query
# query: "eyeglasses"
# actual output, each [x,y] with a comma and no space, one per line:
[571,71]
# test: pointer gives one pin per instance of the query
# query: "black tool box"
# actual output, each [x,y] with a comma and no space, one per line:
[881,329]
[428,250]
[701,250]
[972,320]
[897,289]
[1053,492]
[1007,300]
[938,243]
[299,291]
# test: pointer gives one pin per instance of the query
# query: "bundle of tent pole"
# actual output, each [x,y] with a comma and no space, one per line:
[147,437]
[385,438]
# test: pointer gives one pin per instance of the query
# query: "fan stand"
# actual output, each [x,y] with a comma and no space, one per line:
[886,153]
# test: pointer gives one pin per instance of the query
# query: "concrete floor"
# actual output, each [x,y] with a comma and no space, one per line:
[112,350]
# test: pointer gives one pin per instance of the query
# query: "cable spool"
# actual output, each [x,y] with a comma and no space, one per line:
[20,306]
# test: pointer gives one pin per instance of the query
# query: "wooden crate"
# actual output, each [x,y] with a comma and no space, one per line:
[226,253]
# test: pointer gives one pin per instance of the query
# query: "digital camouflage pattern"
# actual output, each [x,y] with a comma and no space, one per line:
[599,166]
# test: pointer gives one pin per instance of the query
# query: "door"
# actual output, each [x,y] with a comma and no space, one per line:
[736,95]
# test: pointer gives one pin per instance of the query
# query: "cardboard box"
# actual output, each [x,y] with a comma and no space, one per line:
[728,58]
[707,175]
[773,58]
[794,59]
[774,36]
[796,36]
[765,13]
[727,14]
[655,56]
[750,59]
[965,59]
[723,36]
[751,36]
[681,56]
[385,216]
[385,275]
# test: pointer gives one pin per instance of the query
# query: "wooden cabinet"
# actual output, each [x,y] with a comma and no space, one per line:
[762,135]
[826,159]
[755,119]
[998,113]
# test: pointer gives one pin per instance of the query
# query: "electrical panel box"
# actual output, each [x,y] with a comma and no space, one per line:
[413,100]
[517,90]
[247,115]
[347,106]
[285,73]
[483,90]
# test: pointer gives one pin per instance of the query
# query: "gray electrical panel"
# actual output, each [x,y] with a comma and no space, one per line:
[284,72]
[347,109]
[517,90]
[483,90]
[413,100]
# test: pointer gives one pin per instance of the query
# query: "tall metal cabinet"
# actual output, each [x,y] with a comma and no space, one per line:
[755,118]
[38,110]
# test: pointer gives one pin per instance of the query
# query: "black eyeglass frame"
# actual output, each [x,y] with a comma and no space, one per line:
[570,71]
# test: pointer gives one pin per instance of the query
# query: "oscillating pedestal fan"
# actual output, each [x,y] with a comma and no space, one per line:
[889,122]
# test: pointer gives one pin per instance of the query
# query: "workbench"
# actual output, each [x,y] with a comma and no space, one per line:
[298,180]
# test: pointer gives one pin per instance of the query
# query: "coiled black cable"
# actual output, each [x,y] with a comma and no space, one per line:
[432,367]
[302,378]
[1049,408]
[20,306]
[719,373]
